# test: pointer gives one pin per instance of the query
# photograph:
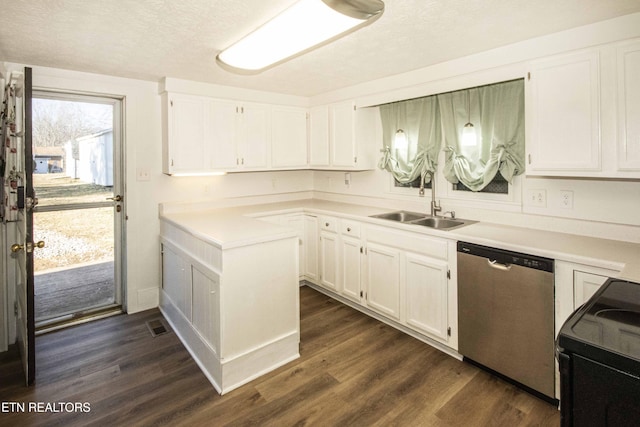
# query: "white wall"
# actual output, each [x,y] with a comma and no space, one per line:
[601,208]
[143,150]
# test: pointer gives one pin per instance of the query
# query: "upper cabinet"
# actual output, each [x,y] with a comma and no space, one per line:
[289,137]
[583,113]
[628,64]
[204,135]
[185,120]
[237,135]
[343,137]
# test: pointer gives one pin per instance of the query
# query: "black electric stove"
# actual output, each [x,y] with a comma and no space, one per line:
[598,351]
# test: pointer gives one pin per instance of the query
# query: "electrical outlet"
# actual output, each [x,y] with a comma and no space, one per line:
[143,174]
[566,199]
[538,198]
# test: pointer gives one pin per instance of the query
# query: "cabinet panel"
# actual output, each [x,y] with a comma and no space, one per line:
[187,118]
[319,136]
[426,295]
[223,119]
[383,279]
[628,59]
[310,245]
[176,280]
[329,260]
[343,147]
[585,285]
[206,307]
[297,223]
[288,137]
[564,110]
[253,145]
[350,265]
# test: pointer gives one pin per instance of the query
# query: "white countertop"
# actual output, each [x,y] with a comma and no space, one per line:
[232,227]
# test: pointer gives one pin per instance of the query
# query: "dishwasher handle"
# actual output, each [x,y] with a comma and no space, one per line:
[495,264]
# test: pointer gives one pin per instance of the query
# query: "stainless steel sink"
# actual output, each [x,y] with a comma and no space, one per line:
[423,220]
[401,216]
[439,223]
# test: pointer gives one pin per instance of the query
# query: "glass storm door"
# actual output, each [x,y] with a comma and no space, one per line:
[77,176]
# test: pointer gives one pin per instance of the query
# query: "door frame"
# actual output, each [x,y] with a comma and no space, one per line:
[119,187]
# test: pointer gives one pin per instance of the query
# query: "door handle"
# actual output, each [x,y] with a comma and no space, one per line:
[16,247]
[117,198]
[495,264]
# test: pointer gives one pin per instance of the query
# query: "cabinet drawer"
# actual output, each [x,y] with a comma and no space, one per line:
[412,242]
[350,228]
[329,223]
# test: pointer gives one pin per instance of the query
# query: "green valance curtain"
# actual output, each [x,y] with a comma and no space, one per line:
[497,113]
[416,154]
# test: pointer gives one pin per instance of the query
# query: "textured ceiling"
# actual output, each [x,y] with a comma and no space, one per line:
[150,39]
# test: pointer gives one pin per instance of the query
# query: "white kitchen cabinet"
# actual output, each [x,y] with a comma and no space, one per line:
[563,112]
[205,287]
[288,137]
[583,112]
[329,262]
[208,295]
[628,67]
[343,137]
[297,222]
[310,247]
[351,251]
[186,123]
[383,279]
[176,280]
[319,136]
[252,144]
[426,287]
[585,285]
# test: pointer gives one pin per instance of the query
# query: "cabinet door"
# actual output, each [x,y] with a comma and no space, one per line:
[319,136]
[426,295]
[628,56]
[329,260]
[563,108]
[585,285]
[350,266]
[254,142]
[297,223]
[176,280]
[343,147]
[310,247]
[288,137]
[188,151]
[223,123]
[383,279]
[206,307]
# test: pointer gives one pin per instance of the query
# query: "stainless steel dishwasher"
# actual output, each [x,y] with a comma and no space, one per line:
[506,314]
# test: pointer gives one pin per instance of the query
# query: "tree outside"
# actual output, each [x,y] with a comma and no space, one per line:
[74,236]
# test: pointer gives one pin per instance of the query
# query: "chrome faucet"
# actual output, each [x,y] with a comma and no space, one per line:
[435,205]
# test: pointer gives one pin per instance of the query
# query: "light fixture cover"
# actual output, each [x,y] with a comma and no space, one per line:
[304,25]
[469,137]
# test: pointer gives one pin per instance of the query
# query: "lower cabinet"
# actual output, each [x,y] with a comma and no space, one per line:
[426,295]
[383,279]
[205,286]
[238,323]
[351,277]
[403,276]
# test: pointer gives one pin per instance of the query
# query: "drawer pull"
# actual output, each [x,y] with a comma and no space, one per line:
[326,224]
[348,229]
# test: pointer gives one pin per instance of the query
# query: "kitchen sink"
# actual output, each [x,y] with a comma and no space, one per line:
[439,223]
[423,220]
[401,216]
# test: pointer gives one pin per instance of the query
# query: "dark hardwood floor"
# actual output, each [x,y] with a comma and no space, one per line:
[353,371]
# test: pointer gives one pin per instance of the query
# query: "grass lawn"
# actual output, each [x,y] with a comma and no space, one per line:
[76,236]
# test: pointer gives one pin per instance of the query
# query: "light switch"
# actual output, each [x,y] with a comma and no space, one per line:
[143,174]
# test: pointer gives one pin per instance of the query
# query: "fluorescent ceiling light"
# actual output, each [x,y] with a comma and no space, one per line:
[304,25]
